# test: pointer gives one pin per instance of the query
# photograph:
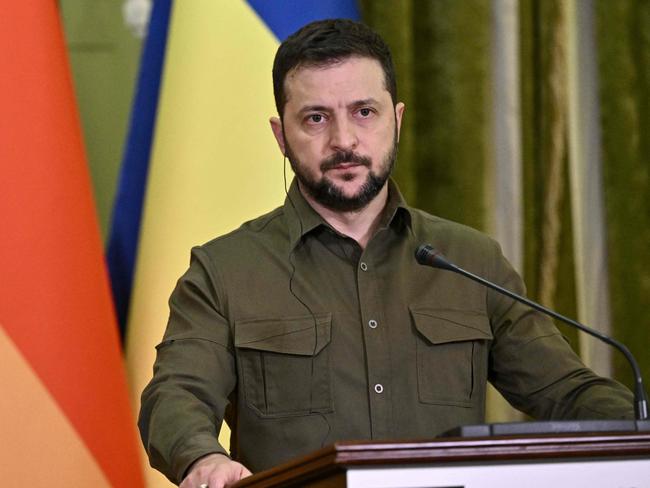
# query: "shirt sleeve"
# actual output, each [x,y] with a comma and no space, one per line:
[534,367]
[184,404]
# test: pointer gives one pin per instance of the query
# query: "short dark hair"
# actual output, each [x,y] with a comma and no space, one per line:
[326,42]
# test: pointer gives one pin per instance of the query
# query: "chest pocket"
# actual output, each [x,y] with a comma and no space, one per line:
[284,364]
[452,352]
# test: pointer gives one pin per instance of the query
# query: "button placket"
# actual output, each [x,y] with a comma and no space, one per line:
[376,345]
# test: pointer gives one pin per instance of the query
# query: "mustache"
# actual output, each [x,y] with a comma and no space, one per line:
[340,157]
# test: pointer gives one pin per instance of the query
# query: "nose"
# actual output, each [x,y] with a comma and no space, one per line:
[343,136]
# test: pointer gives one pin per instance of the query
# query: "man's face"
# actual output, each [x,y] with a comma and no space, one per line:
[340,131]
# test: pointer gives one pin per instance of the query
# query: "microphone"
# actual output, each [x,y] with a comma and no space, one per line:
[428,256]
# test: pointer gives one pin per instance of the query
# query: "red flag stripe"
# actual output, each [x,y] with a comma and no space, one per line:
[54,297]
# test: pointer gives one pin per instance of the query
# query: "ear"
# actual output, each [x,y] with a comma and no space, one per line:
[276,127]
[399,111]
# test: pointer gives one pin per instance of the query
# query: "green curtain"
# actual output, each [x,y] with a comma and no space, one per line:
[548,241]
[441,51]
[442,54]
[623,35]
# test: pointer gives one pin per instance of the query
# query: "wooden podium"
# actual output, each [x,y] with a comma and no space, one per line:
[620,460]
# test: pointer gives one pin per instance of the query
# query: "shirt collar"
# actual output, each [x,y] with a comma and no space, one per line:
[302,218]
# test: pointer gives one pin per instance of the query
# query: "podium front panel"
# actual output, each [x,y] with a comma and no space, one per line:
[582,474]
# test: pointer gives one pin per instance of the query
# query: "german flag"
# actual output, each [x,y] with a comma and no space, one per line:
[65,418]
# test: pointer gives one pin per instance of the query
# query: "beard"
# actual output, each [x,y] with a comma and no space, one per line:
[330,196]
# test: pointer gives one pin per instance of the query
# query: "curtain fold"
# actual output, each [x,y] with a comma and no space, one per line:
[623,38]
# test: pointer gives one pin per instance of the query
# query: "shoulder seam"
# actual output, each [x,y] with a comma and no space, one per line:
[270,217]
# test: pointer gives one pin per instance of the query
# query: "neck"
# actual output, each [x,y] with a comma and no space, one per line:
[359,225]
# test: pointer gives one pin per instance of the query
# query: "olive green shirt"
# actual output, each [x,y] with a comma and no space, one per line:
[298,337]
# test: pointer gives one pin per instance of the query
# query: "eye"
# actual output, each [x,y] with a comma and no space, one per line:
[315,118]
[365,112]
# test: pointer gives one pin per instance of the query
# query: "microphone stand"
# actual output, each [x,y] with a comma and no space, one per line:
[427,255]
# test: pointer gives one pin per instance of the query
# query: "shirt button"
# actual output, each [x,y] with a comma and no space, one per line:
[363,266]
[372,324]
[379,388]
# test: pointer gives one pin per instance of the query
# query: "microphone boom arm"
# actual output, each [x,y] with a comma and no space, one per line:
[426,255]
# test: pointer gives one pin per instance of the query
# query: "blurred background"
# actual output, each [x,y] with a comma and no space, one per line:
[529,120]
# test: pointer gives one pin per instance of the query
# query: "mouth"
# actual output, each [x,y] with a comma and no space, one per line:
[346,165]
[344,161]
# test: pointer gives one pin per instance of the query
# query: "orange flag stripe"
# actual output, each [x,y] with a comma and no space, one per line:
[30,417]
[54,298]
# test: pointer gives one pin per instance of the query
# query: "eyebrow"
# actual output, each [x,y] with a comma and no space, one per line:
[313,108]
[361,103]
[323,108]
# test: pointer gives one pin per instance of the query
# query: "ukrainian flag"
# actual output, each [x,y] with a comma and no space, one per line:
[213,161]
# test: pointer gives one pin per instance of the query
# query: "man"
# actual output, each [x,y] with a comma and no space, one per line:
[314,323]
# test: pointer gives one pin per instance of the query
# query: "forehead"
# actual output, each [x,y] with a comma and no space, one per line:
[353,78]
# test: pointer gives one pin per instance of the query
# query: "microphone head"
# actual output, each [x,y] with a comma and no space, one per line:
[427,255]
[423,252]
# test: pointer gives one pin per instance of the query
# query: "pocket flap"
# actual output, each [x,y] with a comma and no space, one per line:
[440,326]
[305,335]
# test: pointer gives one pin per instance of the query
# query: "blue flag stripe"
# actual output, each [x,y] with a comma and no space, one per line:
[285,17]
[127,209]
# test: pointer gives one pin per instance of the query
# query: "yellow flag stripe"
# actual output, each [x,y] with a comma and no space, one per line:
[214,160]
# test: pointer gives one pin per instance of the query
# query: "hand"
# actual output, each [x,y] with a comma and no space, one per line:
[215,471]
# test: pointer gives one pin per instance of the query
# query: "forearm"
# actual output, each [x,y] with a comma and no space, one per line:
[183,406]
[548,381]
[535,368]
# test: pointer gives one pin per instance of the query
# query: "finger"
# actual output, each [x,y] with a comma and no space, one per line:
[192,482]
